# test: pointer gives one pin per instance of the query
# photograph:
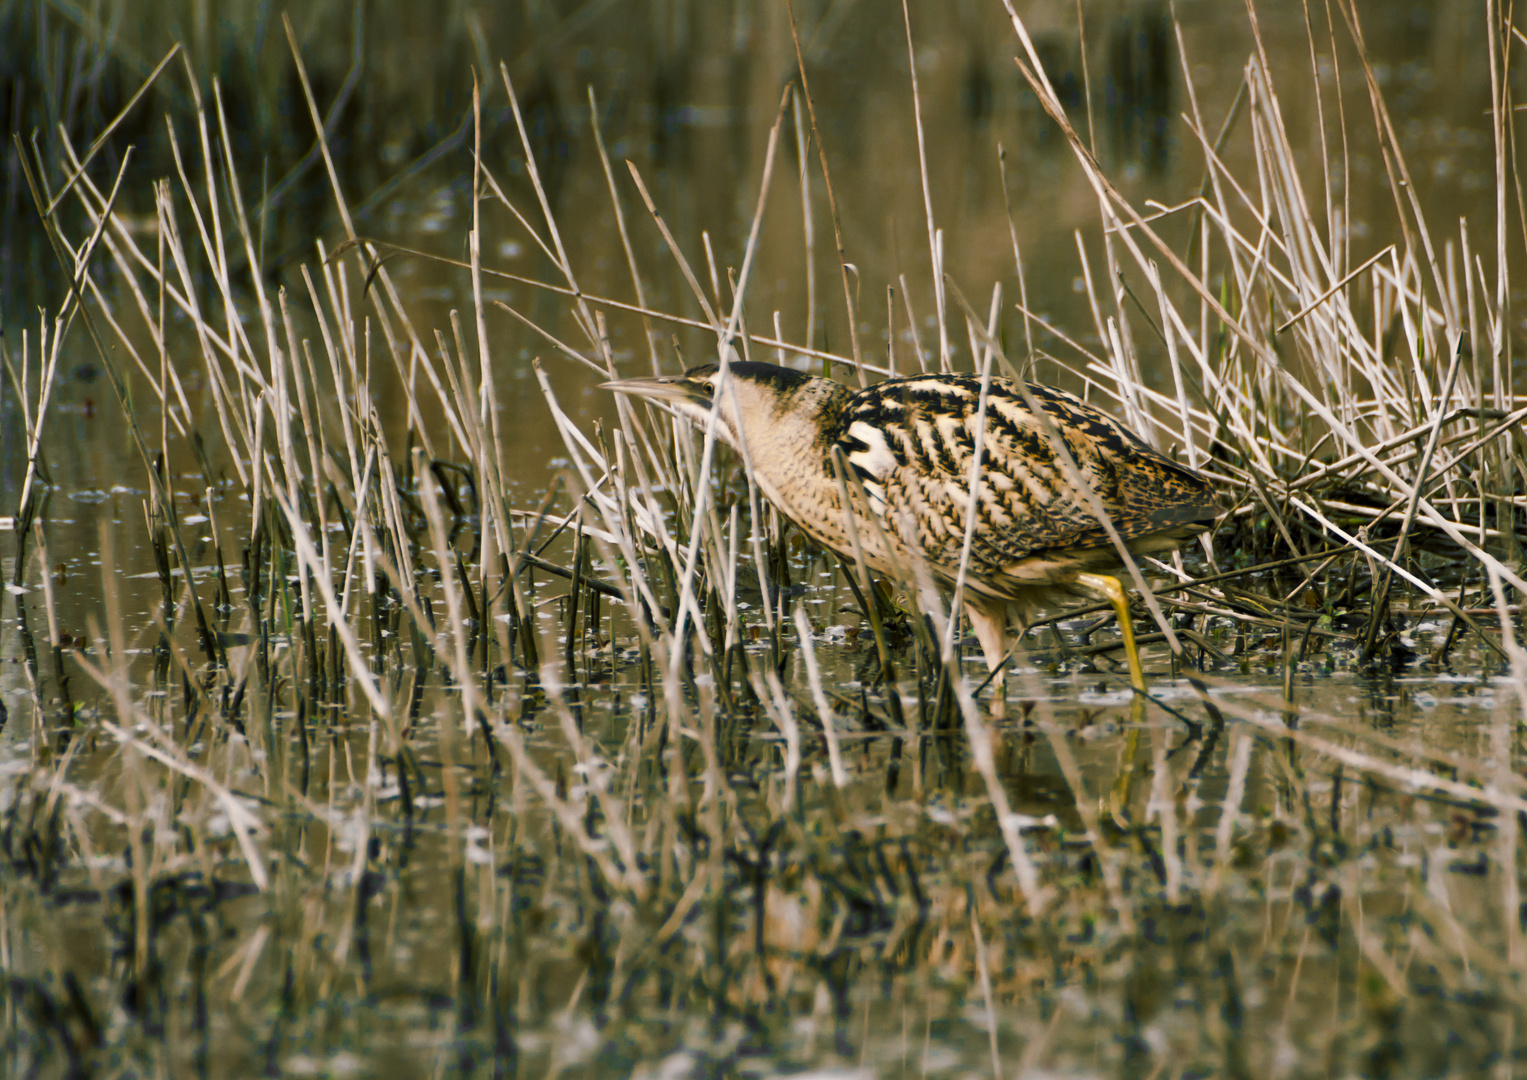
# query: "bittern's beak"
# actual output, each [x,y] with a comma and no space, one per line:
[674,390]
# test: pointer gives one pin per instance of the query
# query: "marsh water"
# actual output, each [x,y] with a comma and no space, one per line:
[1303,914]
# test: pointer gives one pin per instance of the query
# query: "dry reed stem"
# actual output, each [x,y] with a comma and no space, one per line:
[660,840]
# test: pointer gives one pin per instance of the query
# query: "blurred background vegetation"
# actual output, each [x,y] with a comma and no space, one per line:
[684,88]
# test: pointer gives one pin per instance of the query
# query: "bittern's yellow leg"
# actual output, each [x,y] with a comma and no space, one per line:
[1110,588]
[1123,787]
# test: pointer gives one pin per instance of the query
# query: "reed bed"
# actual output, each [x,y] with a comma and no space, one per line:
[396,771]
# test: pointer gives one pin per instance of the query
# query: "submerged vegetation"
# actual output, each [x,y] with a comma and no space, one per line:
[402,769]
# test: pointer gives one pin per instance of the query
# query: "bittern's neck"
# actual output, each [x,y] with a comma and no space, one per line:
[788,444]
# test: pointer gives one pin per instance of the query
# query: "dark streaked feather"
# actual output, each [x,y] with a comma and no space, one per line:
[1027,510]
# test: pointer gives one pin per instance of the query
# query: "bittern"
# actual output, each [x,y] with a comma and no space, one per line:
[902,450]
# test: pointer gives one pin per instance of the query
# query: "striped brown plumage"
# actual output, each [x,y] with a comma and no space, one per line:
[903,450]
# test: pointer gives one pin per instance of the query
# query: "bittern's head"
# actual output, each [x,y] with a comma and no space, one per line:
[752,396]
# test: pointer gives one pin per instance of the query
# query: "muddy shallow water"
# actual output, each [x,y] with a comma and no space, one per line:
[1255,949]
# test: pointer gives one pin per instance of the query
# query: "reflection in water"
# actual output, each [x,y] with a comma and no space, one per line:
[1139,87]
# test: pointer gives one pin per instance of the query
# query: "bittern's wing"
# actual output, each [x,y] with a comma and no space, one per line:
[911,442]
